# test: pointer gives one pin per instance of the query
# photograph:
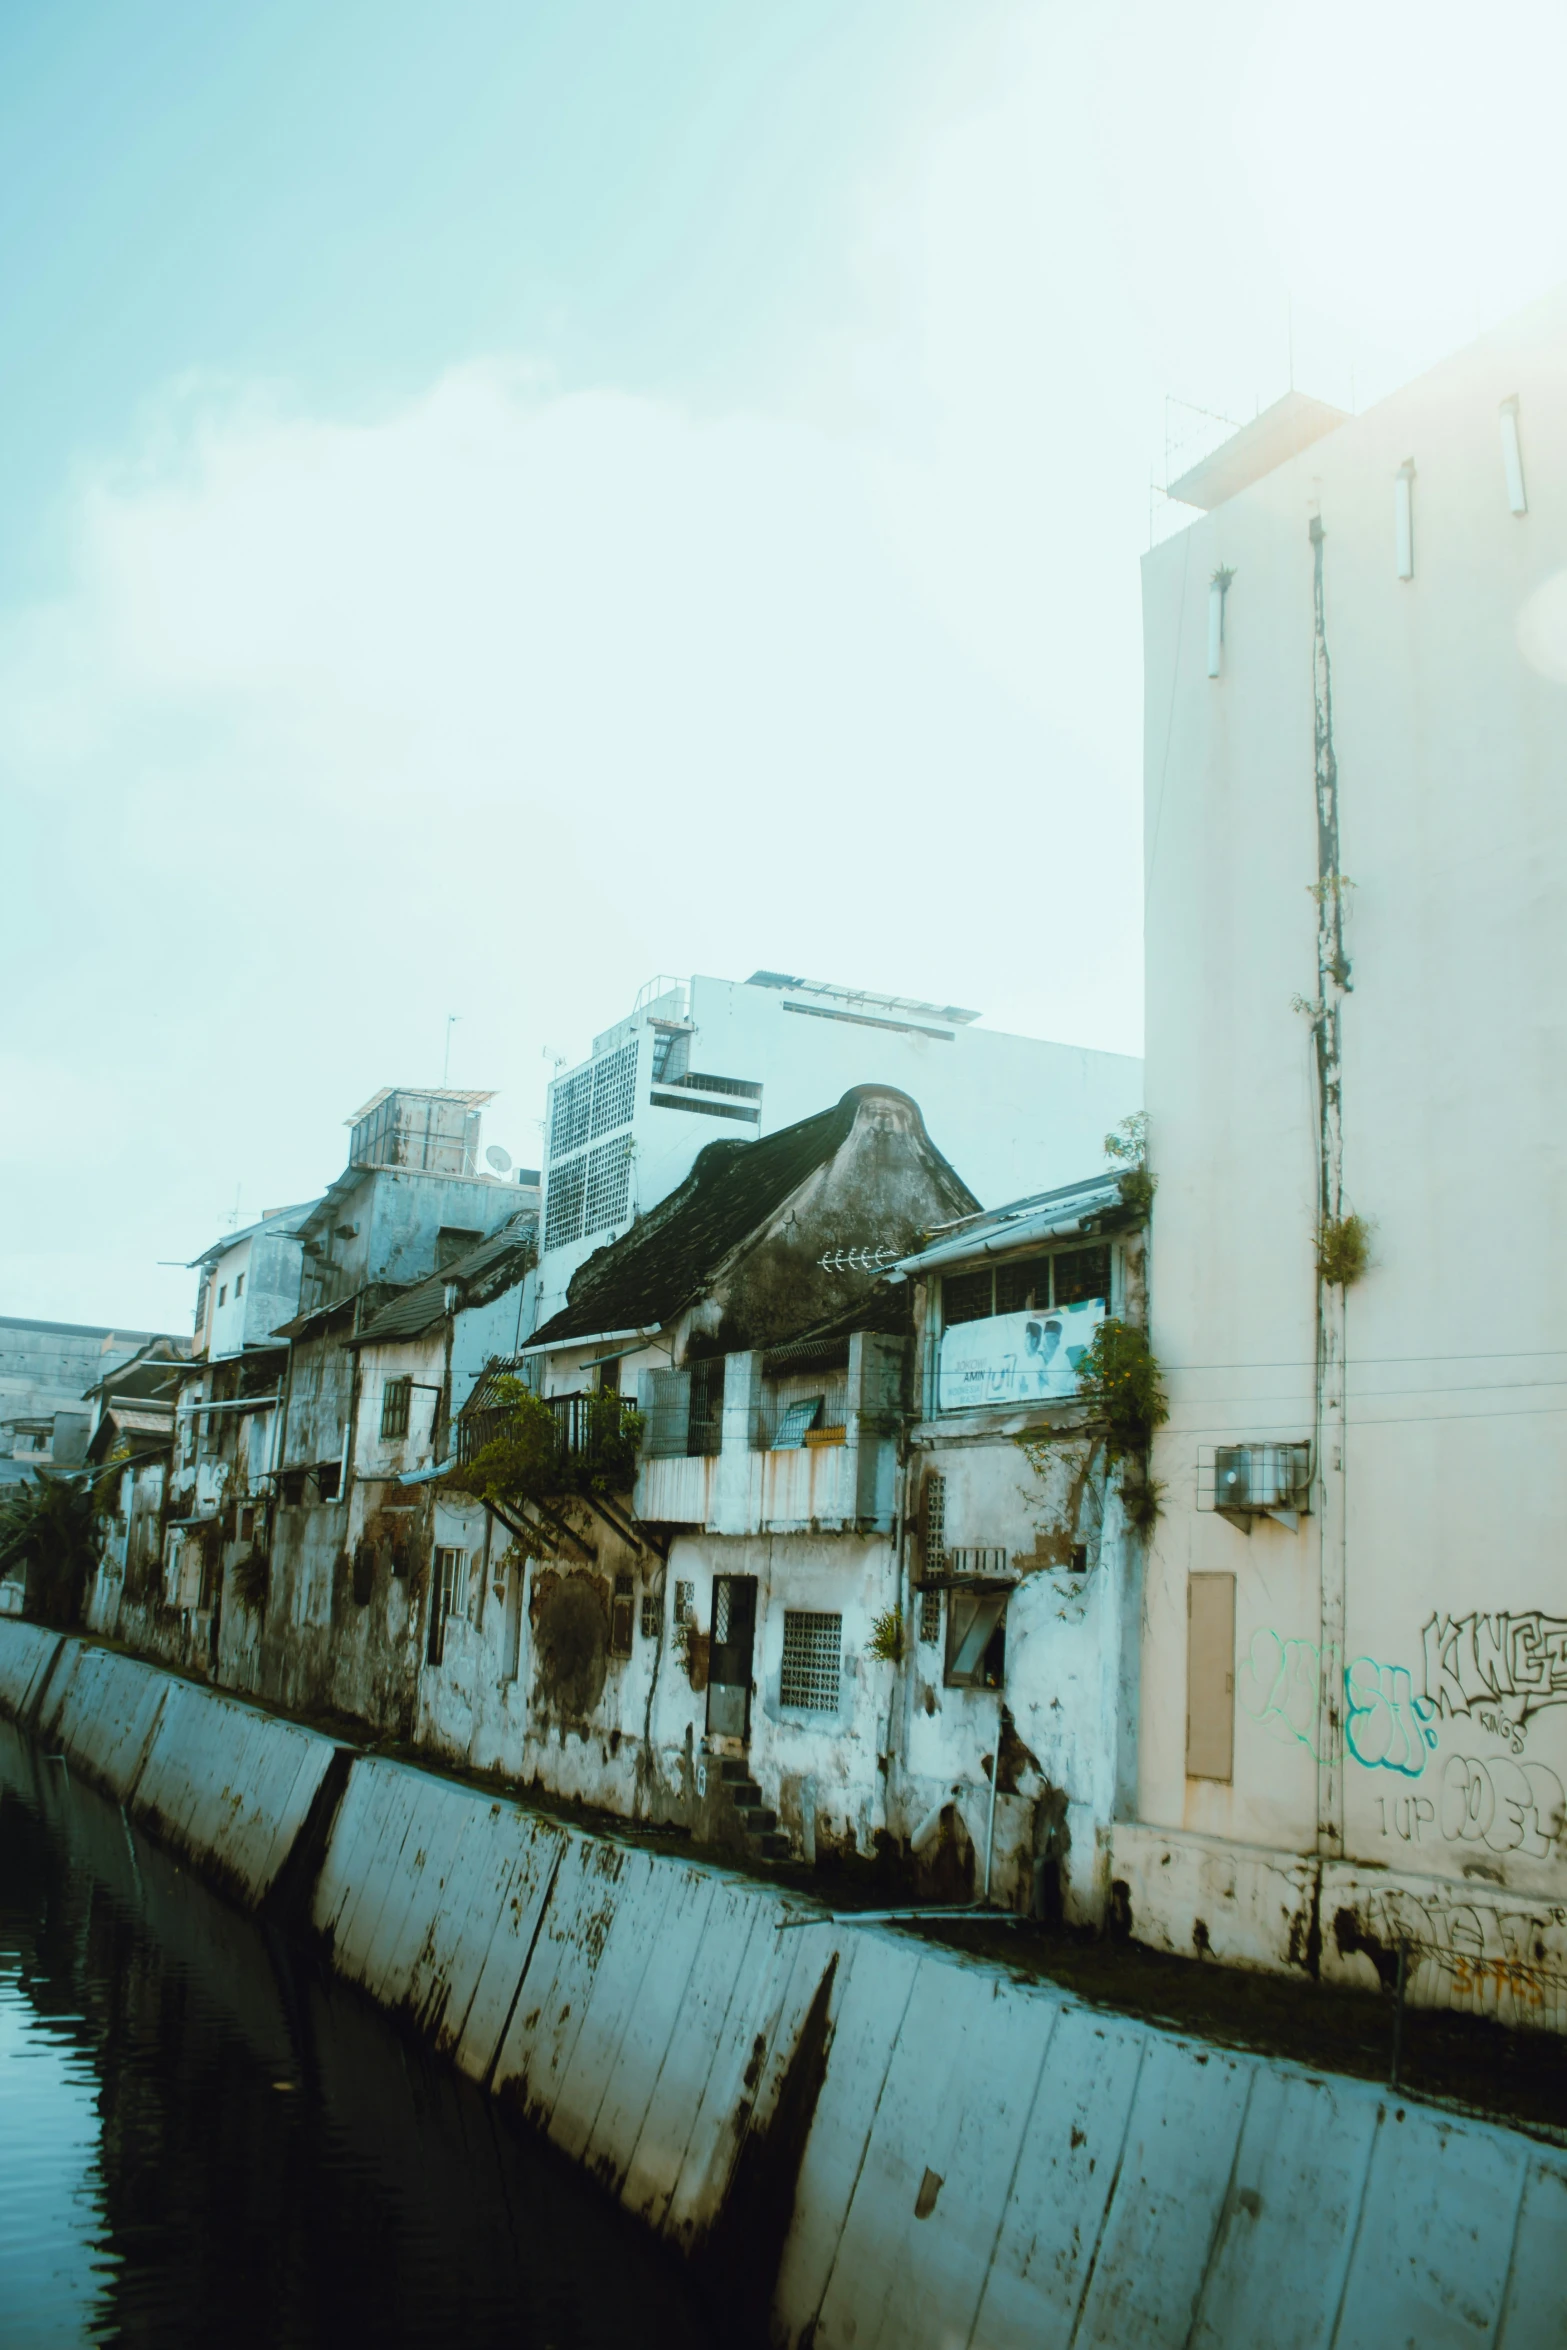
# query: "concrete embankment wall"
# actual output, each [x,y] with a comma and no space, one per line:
[897,2145]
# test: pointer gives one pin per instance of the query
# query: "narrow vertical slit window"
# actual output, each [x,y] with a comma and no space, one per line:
[1404,519]
[1512,458]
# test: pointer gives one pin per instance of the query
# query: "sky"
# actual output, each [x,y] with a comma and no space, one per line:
[502,500]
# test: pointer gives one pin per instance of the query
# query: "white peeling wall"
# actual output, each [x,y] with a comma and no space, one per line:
[1445,1751]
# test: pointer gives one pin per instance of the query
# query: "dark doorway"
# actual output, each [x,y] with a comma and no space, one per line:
[729,1662]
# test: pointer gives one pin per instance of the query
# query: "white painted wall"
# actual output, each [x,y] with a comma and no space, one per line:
[1449,694]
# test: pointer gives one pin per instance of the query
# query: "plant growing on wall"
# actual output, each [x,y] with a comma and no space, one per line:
[886,1638]
[1118,1381]
[526,1455]
[1343,1249]
[1128,1145]
[252,1580]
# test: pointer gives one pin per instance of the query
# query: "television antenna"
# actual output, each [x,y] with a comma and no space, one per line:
[452,1019]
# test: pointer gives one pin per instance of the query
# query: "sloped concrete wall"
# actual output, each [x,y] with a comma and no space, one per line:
[891,2144]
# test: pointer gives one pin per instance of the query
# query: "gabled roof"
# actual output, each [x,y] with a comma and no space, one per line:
[666,1262]
[155,1369]
[480,1275]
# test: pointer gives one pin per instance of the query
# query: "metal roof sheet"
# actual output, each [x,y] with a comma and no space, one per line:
[1040,1217]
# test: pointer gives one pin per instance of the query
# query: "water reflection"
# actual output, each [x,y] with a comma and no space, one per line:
[200,2140]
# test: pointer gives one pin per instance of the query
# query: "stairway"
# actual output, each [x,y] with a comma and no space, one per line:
[764,1838]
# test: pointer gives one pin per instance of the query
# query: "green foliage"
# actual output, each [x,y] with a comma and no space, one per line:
[1129,1141]
[1142,1498]
[1343,1250]
[253,1580]
[1137,1189]
[49,1529]
[529,1454]
[886,1640]
[1118,1379]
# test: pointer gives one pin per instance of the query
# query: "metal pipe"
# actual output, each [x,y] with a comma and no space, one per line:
[881,1917]
[995,1780]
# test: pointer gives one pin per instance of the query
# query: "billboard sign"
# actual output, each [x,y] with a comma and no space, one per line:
[1016,1358]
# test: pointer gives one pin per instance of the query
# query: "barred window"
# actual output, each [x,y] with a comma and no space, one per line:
[812,1646]
[930,1617]
[395,1397]
[685,1602]
[563,1208]
[608,1186]
[1069,1277]
[569,1117]
[652,1614]
[614,1089]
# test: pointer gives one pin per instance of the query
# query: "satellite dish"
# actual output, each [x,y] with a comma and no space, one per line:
[497,1158]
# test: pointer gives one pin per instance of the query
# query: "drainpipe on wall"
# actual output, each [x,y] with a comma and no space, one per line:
[1333,985]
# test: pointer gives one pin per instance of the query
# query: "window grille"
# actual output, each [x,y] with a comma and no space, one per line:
[721,1592]
[563,1211]
[977,1559]
[614,1089]
[935,1527]
[570,1116]
[452,1567]
[1023,1286]
[668,1415]
[930,1617]
[608,1186]
[744,1088]
[675,1100]
[652,1614]
[395,1398]
[685,1602]
[1069,1277]
[812,1644]
[706,1422]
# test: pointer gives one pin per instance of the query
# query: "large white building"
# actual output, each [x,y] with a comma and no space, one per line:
[1354,1673]
[716,1059]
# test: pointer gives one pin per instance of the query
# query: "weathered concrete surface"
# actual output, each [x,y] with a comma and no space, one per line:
[894,2143]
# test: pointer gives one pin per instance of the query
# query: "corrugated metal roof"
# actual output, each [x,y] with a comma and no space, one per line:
[220,1248]
[1039,1217]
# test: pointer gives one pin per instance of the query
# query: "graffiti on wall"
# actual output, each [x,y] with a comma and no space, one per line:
[1497,1961]
[1508,1805]
[1386,1725]
[1280,1686]
[1509,1666]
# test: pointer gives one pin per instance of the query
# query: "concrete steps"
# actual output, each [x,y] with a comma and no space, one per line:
[758,1822]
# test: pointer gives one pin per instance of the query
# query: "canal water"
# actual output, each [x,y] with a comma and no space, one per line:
[203,2140]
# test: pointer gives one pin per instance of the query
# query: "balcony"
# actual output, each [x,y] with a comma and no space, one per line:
[754,1444]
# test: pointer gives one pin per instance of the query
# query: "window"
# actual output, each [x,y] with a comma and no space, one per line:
[652,1614]
[1210,1676]
[448,1597]
[329,1478]
[223,1293]
[291,1486]
[671,1052]
[607,1376]
[976,1639]
[1026,1284]
[620,1615]
[395,1398]
[454,1241]
[247,1525]
[930,1617]
[239,1287]
[685,1602]
[812,1646]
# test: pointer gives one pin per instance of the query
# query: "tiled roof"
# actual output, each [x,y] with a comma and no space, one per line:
[483,1273]
[665,1262]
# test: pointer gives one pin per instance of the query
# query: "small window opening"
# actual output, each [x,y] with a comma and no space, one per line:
[812,1651]
[223,1293]
[239,1287]
[396,1396]
[685,1602]
[930,1617]
[976,1639]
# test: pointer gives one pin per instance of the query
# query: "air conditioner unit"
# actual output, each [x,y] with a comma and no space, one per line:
[1275,1478]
